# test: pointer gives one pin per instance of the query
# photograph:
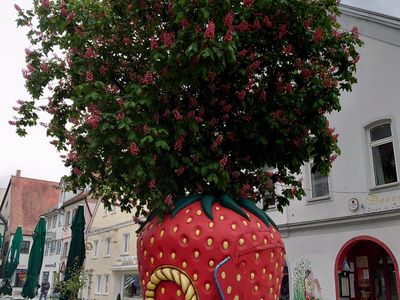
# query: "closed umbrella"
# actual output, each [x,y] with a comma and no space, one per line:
[12,262]
[76,254]
[35,260]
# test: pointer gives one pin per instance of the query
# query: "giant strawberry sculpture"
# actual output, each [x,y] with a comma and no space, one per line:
[210,249]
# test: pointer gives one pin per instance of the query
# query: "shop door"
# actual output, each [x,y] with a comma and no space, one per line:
[372,272]
[131,289]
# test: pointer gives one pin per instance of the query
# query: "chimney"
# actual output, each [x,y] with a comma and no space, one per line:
[17,176]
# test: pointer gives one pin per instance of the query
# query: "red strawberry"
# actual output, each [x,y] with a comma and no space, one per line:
[178,257]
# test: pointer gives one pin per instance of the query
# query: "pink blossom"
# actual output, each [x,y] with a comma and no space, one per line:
[317,35]
[354,32]
[134,149]
[228,20]
[121,116]
[177,115]
[148,78]
[248,2]
[103,70]
[210,30]
[223,161]
[93,121]
[217,142]
[89,53]
[228,36]
[16,6]
[77,171]
[185,23]
[307,23]
[180,171]
[179,143]
[13,123]
[153,43]
[282,31]
[168,38]
[44,67]
[268,23]
[46,4]
[146,129]
[71,17]
[72,156]
[256,24]
[244,26]
[89,76]
[168,200]
[152,184]
[242,95]
[127,41]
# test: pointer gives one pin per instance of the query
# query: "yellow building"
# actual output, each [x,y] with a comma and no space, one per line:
[111,255]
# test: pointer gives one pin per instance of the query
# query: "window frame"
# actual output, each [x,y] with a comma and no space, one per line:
[310,196]
[95,248]
[107,248]
[98,284]
[106,281]
[126,237]
[24,242]
[67,218]
[371,144]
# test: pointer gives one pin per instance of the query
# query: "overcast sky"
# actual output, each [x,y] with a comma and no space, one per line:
[33,155]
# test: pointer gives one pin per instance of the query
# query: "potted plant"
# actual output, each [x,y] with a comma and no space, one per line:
[188,113]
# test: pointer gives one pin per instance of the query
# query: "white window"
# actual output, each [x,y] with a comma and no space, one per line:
[48,223]
[107,248]
[58,247]
[46,248]
[106,279]
[59,221]
[65,249]
[319,184]
[67,216]
[125,243]
[95,248]
[54,222]
[98,284]
[381,144]
[52,247]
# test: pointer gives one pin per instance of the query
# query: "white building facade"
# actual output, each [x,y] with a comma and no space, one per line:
[342,240]
[111,256]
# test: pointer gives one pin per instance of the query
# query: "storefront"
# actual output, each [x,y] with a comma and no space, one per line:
[127,283]
[367,270]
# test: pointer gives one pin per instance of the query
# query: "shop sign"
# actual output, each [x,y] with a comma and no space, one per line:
[126,261]
[375,203]
[50,265]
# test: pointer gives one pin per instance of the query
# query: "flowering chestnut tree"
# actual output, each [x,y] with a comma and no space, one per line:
[155,99]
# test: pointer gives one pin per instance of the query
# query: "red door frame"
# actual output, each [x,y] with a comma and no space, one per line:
[346,247]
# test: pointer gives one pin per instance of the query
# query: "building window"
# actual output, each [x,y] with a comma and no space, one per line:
[65,249]
[25,246]
[45,276]
[126,240]
[20,277]
[52,247]
[67,217]
[381,143]
[46,249]
[319,184]
[106,279]
[107,248]
[5,248]
[48,223]
[95,248]
[58,247]
[98,284]
[54,222]
[59,220]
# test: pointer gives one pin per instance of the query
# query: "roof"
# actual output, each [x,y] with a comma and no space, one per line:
[30,198]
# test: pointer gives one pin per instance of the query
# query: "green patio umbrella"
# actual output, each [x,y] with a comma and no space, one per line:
[35,260]
[76,253]
[12,262]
